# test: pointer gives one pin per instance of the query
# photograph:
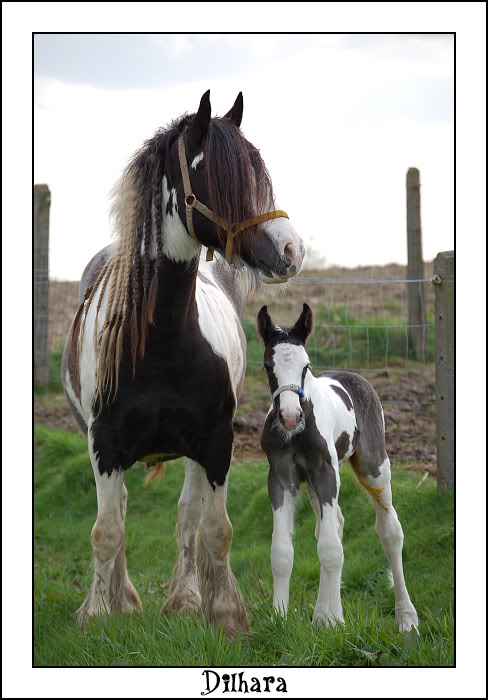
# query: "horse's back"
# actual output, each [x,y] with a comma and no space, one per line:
[92,270]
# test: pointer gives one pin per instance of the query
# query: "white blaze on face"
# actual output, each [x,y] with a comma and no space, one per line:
[289,361]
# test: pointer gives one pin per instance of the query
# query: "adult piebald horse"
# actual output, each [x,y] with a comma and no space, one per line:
[155,358]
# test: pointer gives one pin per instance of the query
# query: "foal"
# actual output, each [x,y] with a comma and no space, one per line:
[313,425]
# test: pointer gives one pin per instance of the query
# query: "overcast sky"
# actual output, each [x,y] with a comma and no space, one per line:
[339,119]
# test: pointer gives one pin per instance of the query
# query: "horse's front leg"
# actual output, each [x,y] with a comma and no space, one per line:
[325,483]
[184,593]
[283,503]
[221,599]
[111,587]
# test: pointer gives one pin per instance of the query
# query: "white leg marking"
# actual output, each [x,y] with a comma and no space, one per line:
[107,538]
[282,551]
[184,591]
[221,600]
[107,543]
[390,533]
[329,547]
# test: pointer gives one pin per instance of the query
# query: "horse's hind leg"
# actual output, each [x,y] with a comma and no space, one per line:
[184,593]
[111,588]
[376,480]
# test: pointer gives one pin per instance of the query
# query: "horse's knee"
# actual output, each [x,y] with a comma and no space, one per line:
[217,536]
[281,555]
[330,553]
[389,530]
[106,538]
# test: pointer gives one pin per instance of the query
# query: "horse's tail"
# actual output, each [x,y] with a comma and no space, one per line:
[156,473]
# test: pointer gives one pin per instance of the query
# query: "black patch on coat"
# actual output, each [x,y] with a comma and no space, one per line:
[342,445]
[180,401]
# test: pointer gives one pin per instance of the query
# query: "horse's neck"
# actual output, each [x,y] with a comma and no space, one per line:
[176,305]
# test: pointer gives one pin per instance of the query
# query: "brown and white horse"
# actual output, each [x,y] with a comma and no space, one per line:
[314,424]
[155,359]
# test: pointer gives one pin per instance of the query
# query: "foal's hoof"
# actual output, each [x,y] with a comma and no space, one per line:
[407,620]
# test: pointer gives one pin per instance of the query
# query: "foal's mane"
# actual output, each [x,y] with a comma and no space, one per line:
[238,185]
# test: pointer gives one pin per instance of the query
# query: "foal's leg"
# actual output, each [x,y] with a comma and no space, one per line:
[184,594]
[314,501]
[390,533]
[325,484]
[111,588]
[221,599]
[283,503]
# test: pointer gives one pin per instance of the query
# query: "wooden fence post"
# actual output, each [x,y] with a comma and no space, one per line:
[42,201]
[444,367]
[415,269]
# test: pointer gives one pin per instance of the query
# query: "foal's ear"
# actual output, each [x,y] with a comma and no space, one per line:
[199,125]
[265,324]
[303,326]
[235,113]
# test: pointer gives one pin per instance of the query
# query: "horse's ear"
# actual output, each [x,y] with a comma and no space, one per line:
[265,324]
[199,125]
[303,326]
[235,113]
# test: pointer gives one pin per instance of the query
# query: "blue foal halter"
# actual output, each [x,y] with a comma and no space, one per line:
[289,387]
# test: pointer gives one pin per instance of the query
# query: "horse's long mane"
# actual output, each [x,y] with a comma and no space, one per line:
[239,186]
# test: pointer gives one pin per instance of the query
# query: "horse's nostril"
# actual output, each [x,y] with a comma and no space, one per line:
[289,253]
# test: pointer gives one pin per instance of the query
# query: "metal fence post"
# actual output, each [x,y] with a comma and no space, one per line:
[42,201]
[415,269]
[444,367]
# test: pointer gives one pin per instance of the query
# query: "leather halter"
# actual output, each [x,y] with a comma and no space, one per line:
[191,202]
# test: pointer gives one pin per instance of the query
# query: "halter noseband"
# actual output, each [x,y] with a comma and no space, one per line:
[191,202]
[289,387]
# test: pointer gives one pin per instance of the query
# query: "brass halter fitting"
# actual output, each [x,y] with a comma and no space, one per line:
[191,202]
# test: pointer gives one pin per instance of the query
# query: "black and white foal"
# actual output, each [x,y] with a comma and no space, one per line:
[313,425]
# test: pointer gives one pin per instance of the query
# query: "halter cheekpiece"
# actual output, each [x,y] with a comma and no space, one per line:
[191,202]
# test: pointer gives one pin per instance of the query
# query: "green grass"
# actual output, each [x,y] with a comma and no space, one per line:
[65,509]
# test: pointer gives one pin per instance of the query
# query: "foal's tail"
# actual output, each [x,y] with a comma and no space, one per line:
[156,473]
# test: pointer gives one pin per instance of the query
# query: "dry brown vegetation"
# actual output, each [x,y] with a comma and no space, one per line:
[407,392]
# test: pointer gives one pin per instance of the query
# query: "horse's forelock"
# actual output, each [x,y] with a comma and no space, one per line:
[239,185]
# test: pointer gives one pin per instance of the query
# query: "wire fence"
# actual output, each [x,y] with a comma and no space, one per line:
[359,325]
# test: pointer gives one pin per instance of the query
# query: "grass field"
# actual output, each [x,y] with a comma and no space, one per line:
[65,509]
